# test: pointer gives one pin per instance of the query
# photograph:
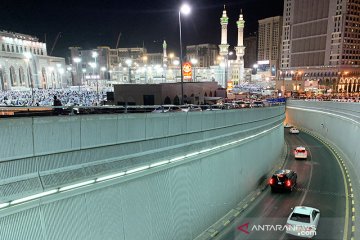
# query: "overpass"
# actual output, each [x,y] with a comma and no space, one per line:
[132,176]
[172,175]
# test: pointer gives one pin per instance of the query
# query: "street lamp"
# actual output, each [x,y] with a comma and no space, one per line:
[184,9]
[194,61]
[129,62]
[83,70]
[77,60]
[94,55]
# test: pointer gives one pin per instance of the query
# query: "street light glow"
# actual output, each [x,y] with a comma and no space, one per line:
[128,62]
[95,54]
[92,64]
[194,61]
[77,60]
[185,9]
[103,69]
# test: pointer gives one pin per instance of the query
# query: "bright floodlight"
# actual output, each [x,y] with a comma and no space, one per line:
[194,61]
[103,69]
[77,60]
[255,66]
[128,62]
[95,54]
[185,9]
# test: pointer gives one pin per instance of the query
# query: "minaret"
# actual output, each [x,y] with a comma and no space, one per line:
[165,60]
[240,49]
[224,46]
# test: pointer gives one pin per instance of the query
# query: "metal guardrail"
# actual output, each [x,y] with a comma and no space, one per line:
[23,111]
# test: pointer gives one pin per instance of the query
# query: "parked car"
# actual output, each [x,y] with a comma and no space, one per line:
[191,108]
[216,108]
[294,130]
[167,108]
[242,104]
[303,222]
[283,179]
[300,152]
[257,104]
[287,125]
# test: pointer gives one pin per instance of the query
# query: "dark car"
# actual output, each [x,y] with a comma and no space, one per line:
[283,179]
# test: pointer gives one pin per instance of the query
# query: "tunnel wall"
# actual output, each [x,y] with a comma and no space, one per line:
[178,201]
[337,122]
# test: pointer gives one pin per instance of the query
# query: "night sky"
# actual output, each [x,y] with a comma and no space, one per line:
[90,23]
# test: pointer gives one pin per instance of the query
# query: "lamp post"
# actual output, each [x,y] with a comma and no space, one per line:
[95,55]
[145,59]
[194,61]
[77,60]
[184,9]
[129,62]
[82,75]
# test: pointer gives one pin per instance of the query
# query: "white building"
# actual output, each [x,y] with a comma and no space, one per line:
[24,64]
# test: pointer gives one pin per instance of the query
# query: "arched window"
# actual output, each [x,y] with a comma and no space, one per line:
[41,52]
[210,95]
[205,95]
[176,100]
[7,48]
[21,49]
[3,47]
[21,76]
[12,48]
[17,49]
[167,100]
[12,76]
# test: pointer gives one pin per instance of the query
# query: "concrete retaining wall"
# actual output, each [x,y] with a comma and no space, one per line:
[338,123]
[175,202]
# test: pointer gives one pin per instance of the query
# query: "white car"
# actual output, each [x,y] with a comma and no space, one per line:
[300,152]
[287,125]
[167,108]
[191,108]
[303,222]
[294,130]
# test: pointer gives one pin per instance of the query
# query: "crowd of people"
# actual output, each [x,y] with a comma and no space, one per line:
[45,97]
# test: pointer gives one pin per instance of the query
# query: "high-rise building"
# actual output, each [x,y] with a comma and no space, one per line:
[24,64]
[206,54]
[321,46]
[250,57]
[269,42]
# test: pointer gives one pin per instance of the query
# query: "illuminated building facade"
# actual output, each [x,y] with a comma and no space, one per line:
[24,64]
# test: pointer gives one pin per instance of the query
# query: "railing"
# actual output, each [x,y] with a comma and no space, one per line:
[21,111]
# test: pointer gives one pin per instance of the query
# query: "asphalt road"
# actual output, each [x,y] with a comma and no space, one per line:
[320,184]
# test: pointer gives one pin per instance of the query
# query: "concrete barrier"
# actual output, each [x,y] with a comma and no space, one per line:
[177,201]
